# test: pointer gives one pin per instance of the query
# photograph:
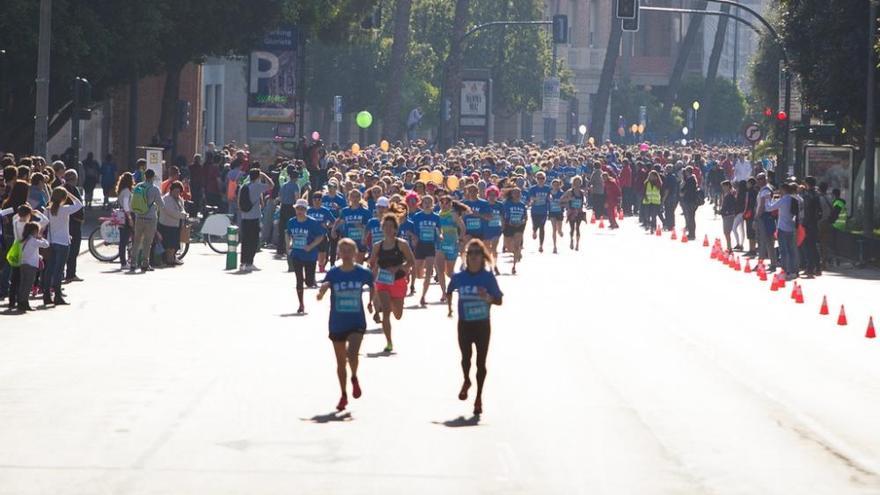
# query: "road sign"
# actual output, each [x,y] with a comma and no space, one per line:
[753,133]
[550,102]
[337,108]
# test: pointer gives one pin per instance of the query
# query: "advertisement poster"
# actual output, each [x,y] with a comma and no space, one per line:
[831,164]
[272,78]
[474,100]
[154,162]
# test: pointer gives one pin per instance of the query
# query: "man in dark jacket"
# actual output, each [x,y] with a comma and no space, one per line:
[76,222]
[689,202]
[812,215]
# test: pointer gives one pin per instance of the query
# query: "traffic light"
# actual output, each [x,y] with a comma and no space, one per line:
[82,98]
[627,9]
[447,109]
[631,25]
[184,109]
[768,112]
[781,116]
[560,29]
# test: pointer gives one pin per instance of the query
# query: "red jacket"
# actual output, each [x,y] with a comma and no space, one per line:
[625,177]
[612,192]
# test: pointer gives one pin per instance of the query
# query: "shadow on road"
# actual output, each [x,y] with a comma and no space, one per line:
[294,315]
[380,354]
[374,331]
[332,417]
[459,422]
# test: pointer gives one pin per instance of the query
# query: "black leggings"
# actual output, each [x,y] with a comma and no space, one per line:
[305,272]
[472,333]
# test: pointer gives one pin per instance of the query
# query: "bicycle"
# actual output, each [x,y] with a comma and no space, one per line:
[213,230]
[104,240]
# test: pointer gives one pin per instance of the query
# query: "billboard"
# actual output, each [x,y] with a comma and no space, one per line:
[831,164]
[474,102]
[272,78]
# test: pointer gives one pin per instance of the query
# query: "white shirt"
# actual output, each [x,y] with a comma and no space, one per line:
[18,225]
[30,251]
[742,170]
[124,199]
[59,225]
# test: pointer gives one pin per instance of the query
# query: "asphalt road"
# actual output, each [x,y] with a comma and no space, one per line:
[634,366]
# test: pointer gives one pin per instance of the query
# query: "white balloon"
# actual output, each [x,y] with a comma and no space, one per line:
[684,130]
[582,129]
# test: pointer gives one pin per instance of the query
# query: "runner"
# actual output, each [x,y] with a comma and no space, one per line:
[514,225]
[555,202]
[352,222]
[538,201]
[493,226]
[347,321]
[477,291]
[574,198]
[452,226]
[426,234]
[391,261]
[306,234]
[326,218]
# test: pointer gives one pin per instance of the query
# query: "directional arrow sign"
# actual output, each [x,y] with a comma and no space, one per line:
[753,133]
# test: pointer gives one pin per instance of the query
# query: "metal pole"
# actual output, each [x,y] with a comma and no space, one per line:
[868,220]
[74,123]
[132,122]
[786,127]
[736,51]
[41,119]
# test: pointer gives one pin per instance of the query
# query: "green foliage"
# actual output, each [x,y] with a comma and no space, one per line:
[626,100]
[728,110]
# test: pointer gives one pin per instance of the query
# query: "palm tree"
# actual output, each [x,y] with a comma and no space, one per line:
[397,69]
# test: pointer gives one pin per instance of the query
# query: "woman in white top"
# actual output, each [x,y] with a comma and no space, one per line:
[31,243]
[171,214]
[123,195]
[59,242]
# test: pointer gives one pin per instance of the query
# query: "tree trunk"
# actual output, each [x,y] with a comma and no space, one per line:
[687,44]
[453,74]
[170,95]
[712,72]
[603,94]
[397,70]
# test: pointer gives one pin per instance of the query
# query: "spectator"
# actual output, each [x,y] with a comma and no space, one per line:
[76,222]
[171,214]
[92,172]
[690,202]
[786,227]
[251,206]
[145,200]
[123,194]
[59,240]
[108,179]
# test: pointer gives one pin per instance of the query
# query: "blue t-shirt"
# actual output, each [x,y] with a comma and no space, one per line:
[539,196]
[334,203]
[346,298]
[354,222]
[514,213]
[406,228]
[471,307]
[301,235]
[322,215]
[474,223]
[108,173]
[374,228]
[493,226]
[426,225]
[555,201]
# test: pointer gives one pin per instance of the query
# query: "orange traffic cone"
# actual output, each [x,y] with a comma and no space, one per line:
[705,241]
[737,267]
[673,237]
[593,218]
[799,296]
[870,334]
[620,215]
[774,285]
[658,232]
[601,223]
[762,275]
[841,319]
[782,279]
[794,291]
[747,268]
[684,238]
[823,310]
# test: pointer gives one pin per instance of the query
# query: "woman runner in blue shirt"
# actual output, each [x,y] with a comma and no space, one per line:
[347,321]
[477,291]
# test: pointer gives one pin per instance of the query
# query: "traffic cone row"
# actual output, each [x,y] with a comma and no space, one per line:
[601,222]
[705,240]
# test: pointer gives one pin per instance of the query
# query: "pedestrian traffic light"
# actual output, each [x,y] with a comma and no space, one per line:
[560,29]
[781,116]
[82,98]
[183,114]
[627,9]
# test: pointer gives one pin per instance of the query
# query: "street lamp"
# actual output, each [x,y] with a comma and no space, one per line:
[695,105]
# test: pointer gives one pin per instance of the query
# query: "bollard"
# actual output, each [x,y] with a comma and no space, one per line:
[232,246]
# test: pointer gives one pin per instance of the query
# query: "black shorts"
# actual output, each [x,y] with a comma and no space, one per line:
[512,230]
[576,216]
[474,332]
[556,216]
[343,336]
[424,250]
[538,220]
[324,246]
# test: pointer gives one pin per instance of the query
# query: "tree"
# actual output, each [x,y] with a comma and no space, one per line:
[597,127]
[397,69]
[725,117]
[706,101]
[687,45]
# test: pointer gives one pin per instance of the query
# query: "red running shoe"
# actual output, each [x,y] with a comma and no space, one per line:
[343,402]
[355,387]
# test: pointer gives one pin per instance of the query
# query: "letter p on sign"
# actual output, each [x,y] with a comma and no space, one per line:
[264,65]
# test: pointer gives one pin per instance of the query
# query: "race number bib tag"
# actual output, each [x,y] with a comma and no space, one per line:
[555,206]
[426,232]
[299,241]
[496,220]
[385,277]
[516,217]
[475,310]
[473,223]
[348,301]
[355,233]
[576,203]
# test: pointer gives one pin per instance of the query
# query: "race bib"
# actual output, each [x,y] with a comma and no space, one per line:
[555,206]
[577,204]
[348,301]
[515,217]
[472,223]
[385,277]
[299,240]
[495,221]
[356,233]
[475,310]
[426,232]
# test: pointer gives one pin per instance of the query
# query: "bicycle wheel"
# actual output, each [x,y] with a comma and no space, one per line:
[101,249]
[217,243]
[184,248]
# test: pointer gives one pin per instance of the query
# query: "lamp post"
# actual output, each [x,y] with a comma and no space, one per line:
[696,106]
[41,119]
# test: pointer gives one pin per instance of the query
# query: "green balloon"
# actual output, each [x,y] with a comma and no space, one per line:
[364,119]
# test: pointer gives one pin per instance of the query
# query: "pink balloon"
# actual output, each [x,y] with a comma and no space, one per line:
[643,147]
[315,135]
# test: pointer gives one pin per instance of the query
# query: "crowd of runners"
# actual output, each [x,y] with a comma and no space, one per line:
[403,220]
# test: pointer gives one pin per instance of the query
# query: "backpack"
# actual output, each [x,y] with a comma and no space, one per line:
[701,197]
[244,199]
[139,203]
[13,256]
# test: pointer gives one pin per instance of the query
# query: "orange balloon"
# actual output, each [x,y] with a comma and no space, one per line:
[384,145]
[356,148]
[437,177]
[452,182]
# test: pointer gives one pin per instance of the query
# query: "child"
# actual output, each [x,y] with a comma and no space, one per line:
[31,243]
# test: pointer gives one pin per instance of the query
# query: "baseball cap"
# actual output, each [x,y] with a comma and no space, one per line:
[383,202]
[301,203]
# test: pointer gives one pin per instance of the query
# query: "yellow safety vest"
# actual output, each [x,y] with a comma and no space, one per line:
[652,194]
